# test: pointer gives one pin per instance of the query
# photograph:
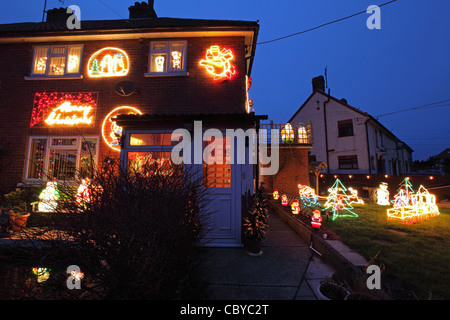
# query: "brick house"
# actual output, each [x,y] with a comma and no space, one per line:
[62,90]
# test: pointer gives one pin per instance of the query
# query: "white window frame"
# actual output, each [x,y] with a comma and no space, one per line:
[66,75]
[168,62]
[48,147]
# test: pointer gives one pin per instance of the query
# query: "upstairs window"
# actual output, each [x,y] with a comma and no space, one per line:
[167,58]
[345,128]
[56,61]
[348,162]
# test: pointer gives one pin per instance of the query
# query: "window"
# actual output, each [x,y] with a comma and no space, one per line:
[61,158]
[348,162]
[217,163]
[56,61]
[345,128]
[167,58]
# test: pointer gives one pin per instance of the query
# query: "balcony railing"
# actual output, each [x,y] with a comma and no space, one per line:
[287,134]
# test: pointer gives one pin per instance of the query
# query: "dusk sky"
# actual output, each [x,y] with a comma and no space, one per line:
[403,65]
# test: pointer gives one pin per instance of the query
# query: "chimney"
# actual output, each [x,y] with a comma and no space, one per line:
[318,83]
[142,10]
[58,15]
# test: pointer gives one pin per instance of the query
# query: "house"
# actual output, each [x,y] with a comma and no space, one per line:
[349,140]
[63,92]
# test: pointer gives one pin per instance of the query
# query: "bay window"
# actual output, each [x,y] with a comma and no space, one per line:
[61,158]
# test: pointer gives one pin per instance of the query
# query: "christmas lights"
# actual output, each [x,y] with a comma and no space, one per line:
[48,198]
[410,207]
[284,200]
[316,219]
[108,62]
[354,196]
[111,132]
[176,60]
[218,62]
[338,201]
[383,194]
[295,206]
[276,194]
[63,109]
[308,196]
[287,134]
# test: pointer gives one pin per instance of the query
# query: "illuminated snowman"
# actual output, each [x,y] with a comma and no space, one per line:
[383,194]
[49,197]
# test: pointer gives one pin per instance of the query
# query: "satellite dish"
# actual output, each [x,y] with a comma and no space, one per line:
[125,88]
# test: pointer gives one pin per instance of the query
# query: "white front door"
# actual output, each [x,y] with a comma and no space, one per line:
[223,207]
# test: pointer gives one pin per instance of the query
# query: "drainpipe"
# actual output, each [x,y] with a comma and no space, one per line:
[326,131]
[368,145]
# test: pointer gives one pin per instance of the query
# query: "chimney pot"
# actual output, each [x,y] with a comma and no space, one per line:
[142,10]
[59,15]
[318,83]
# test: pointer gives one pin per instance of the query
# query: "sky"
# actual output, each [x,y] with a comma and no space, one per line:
[403,65]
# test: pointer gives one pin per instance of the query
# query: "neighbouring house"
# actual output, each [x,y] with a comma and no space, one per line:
[117,89]
[349,140]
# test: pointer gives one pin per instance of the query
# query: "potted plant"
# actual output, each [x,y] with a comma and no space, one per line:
[256,223]
[329,289]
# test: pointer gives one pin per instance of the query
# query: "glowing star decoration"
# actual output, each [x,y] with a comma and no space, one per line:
[383,194]
[70,115]
[284,200]
[218,62]
[63,109]
[49,198]
[276,194]
[308,196]
[108,62]
[111,132]
[316,219]
[295,206]
[338,202]
[287,134]
[410,207]
[353,197]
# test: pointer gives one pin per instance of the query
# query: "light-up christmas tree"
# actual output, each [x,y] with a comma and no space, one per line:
[338,201]
[95,67]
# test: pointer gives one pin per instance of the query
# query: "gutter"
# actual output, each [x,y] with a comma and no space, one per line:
[326,131]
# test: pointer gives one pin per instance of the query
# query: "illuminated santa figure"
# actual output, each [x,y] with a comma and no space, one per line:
[316,219]
[383,194]
[295,207]
[276,194]
[49,197]
[284,200]
[84,193]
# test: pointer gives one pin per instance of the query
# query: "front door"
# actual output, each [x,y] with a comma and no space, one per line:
[223,207]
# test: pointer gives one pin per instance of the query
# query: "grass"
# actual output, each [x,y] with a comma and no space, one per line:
[416,257]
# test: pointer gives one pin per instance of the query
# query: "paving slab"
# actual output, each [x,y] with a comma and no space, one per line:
[282,272]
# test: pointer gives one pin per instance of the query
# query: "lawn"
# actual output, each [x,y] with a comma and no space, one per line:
[416,257]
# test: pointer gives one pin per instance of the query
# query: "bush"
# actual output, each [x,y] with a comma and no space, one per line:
[137,236]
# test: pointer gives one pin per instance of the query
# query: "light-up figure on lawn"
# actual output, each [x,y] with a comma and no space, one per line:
[49,198]
[338,201]
[383,194]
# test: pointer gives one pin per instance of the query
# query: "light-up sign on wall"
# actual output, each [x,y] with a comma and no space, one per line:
[63,109]
[111,132]
[108,62]
[218,62]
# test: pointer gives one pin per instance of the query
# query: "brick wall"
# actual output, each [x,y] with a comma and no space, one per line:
[196,93]
[293,170]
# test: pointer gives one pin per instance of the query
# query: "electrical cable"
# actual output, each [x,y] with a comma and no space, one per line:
[322,25]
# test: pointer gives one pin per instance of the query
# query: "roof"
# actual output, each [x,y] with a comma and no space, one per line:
[444,154]
[30,28]
[345,104]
